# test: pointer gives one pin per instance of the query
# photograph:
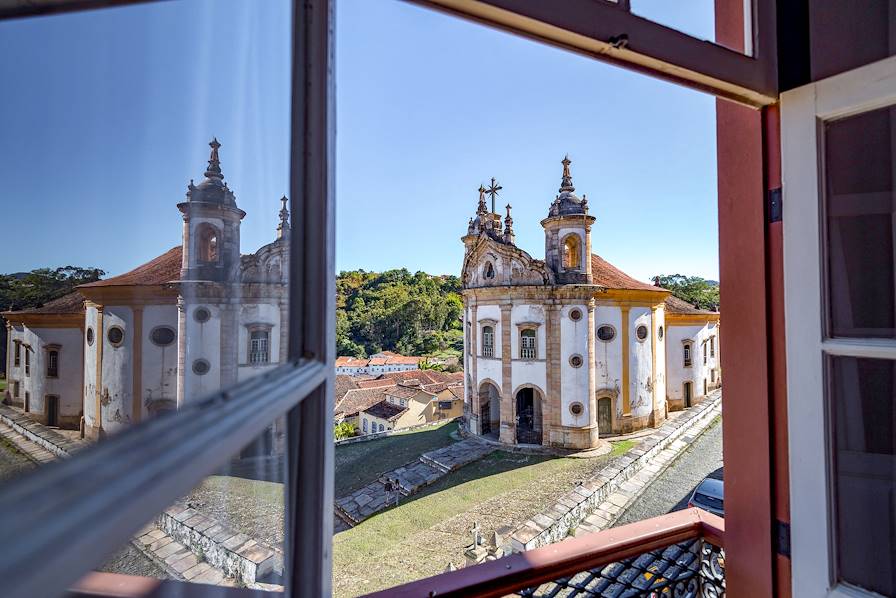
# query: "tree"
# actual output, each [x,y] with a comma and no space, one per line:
[700,292]
[345,430]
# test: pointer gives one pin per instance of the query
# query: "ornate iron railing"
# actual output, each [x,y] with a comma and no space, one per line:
[680,554]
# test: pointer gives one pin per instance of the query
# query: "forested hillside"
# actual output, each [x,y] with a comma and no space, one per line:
[411,314]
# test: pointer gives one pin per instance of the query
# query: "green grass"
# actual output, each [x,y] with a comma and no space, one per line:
[420,535]
[360,463]
[2,384]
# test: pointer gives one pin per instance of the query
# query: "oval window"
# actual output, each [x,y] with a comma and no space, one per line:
[641,332]
[576,361]
[162,336]
[115,335]
[202,315]
[90,336]
[577,409]
[606,333]
[201,367]
[659,333]
[575,315]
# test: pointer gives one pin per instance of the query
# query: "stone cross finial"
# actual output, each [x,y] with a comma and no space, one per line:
[214,163]
[493,192]
[482,208]
[566,183]
[477,536]
[283,227]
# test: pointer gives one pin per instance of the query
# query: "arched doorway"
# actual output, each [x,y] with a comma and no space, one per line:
[528,416]
[605,415]
[489,410]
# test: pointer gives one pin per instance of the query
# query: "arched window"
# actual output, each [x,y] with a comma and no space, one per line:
[687,354]
[527,344]
[488,271]
[488,341]
[572,253]
[259,343]
[208,244]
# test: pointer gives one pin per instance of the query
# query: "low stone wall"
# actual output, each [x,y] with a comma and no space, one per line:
[573,507]
[51,440]
[234,553]
[393,432]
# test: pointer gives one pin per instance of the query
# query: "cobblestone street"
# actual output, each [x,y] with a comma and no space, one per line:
[672,489]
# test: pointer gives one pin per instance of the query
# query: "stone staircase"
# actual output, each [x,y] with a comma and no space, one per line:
[408,479]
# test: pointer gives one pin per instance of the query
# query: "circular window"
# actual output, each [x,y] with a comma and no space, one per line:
[115,336]
[202,315]
[576,361]
[659,333]
[575,315]
[577,409]
[90,336]
[641,331]
[606,333]
[201,367]
[489,270]
[162,335]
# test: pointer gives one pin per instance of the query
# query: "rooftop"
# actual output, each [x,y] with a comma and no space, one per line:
[159,271]
[385,410]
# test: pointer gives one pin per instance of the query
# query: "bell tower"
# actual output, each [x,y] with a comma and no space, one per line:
[567,233]
[211,240]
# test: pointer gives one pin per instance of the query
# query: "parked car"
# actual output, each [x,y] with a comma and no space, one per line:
[709,496]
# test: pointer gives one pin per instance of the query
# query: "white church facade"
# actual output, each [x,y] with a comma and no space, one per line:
[566,350]
[198,318]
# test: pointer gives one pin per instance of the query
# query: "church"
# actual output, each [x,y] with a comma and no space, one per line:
[569,349]
[200,317]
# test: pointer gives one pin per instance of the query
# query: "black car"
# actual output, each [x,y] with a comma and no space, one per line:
[709,496]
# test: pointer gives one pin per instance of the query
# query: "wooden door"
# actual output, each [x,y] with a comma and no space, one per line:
[605,415]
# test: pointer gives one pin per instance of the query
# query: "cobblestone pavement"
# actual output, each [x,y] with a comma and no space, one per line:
[12,461]
[672,489]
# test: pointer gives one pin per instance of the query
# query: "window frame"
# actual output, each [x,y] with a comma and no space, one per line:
[27,360]
[17,354]
[803,113]
[487,349]
[534,348]
[250,352]
[301,388]
[51,351]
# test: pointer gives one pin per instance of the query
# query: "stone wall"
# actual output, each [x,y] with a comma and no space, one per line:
[573,507]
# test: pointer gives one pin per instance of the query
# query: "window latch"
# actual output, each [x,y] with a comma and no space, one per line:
[775,205]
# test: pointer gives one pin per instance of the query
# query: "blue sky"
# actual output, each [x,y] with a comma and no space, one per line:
[99,141]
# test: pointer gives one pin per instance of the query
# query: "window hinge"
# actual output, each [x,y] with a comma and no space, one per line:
[782,538]
[775,200]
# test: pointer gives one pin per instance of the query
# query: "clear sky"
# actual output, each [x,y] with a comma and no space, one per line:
[99,137]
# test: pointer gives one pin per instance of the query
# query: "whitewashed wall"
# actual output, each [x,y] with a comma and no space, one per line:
[640,363]
[158,364]
[117,369]
[608,355]
[659,384]
[17,332]
[67,386]
[90,414]
[532,372]
[203,341]
[489,367]
[574,387]
[678,374]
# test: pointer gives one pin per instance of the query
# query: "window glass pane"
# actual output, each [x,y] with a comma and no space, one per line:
[863,413]
[859,172]
[158,247]
[228,531]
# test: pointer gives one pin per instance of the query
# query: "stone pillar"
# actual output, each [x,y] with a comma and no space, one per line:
[626,362]
[181,351]
[283,298]
[592,374]
[508,404]
[553,364]
[228,357]
[475,407]
[137,365]
[99,338]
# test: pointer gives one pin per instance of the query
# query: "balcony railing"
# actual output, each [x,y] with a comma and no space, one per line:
[679,554]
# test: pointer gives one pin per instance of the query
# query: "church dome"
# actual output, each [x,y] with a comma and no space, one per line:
[567,202]
[213,189]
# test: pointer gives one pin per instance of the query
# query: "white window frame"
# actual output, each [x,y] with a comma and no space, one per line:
[488,349]
[688,354]
[529,353]
[802,112]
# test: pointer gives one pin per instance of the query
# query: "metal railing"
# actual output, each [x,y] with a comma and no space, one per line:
[678,554]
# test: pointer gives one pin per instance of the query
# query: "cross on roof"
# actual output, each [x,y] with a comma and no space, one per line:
[493,192]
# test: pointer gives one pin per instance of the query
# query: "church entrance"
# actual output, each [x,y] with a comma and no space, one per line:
[605,415]
[528,416]
[687,394]
[489,410]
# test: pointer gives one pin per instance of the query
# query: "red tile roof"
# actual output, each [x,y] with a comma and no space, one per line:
[159,271]
[71,303]
[342,384]
[358,399]
[385,410]
[675,305]
[607,275]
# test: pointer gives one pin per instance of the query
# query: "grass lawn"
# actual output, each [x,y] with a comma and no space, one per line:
[2,384]
[419,537]
[360,463]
